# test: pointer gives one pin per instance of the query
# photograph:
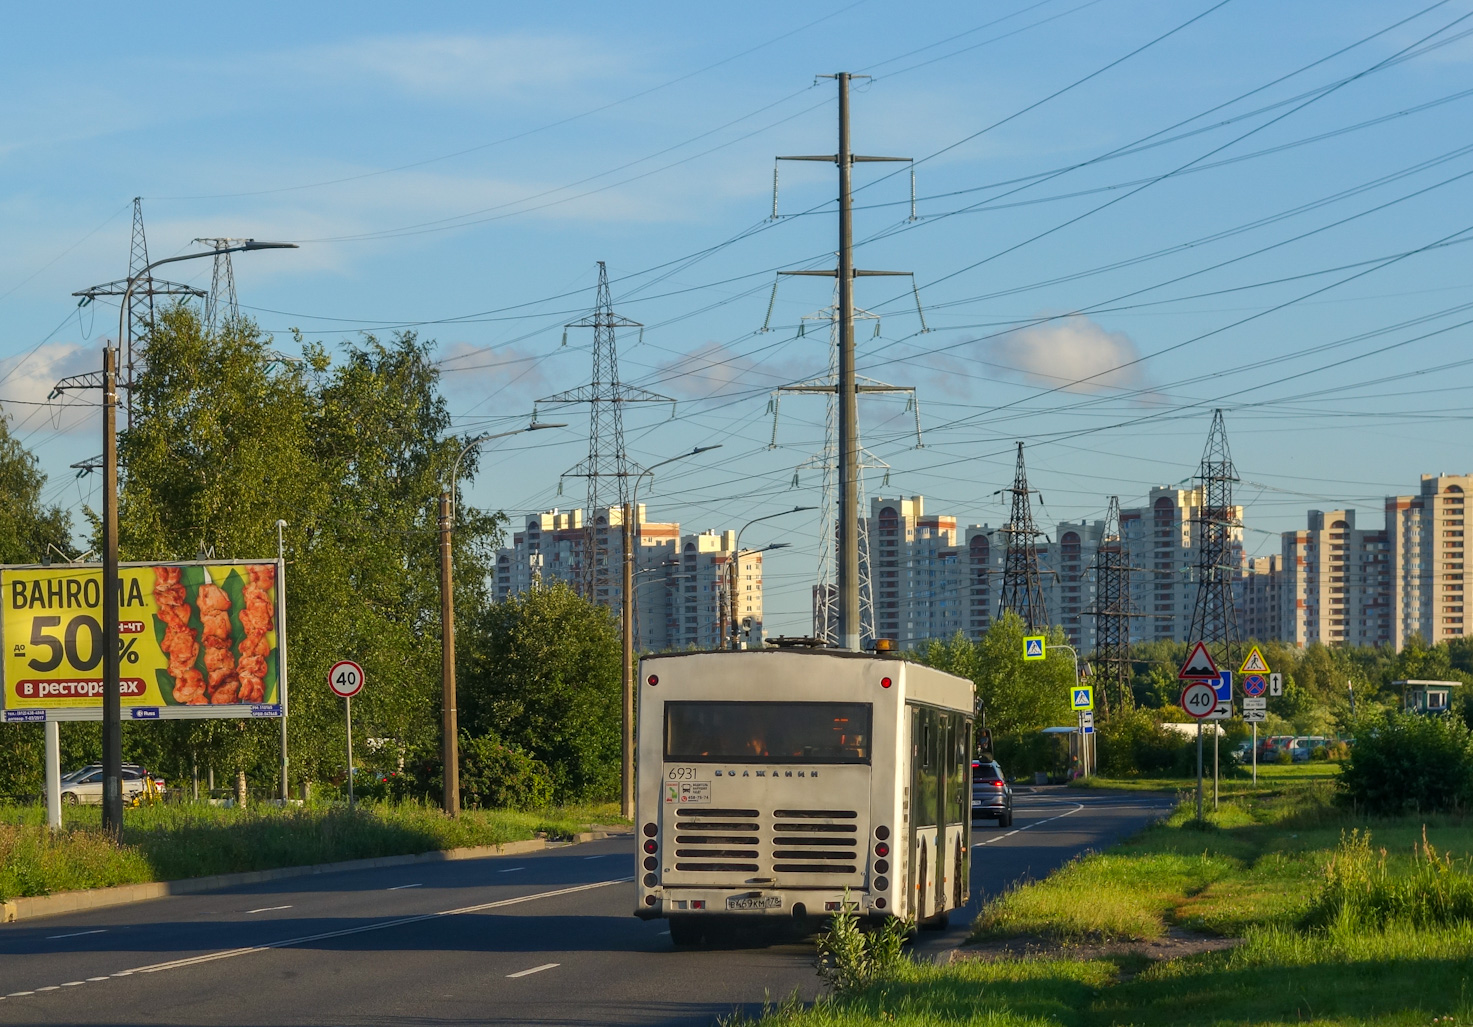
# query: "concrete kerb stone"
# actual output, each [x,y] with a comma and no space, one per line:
[126,894]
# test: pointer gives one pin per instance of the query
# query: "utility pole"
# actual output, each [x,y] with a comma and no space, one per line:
[848,461]
[1021,590]
[450,722]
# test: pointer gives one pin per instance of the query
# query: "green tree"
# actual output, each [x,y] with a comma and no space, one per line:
[1016,694]
[541,671]
[27,524]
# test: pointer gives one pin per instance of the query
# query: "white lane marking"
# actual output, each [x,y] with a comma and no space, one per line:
[1027,827]
[73,984]
[601,855]
[93,980]
[534,970]
[75,934]
[211,957]
[510,870]
[401,887]
[267,909]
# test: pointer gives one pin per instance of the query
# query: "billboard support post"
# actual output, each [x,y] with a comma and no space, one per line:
[112,695]
[281,659]
[53,775]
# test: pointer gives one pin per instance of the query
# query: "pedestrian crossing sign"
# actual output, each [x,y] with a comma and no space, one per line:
[1084,697]
[1034,647]
[1254,664]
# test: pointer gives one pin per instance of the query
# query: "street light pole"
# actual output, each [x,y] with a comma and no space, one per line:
[1085,741]
[450,726]
[626,625]
[735,569]
[112,713]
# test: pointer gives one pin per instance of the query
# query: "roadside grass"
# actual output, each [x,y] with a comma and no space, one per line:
[1328,926]
[1269,774]
[173,841]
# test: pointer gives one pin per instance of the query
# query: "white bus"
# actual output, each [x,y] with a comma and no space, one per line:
[771,782]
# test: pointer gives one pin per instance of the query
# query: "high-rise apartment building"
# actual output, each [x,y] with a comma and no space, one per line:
[1261,599]
[1162,544]
[1335,584]
[1428,566]
[681,582]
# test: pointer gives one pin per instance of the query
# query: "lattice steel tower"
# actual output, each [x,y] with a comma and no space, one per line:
[1113,611]
[607,460]
[221,306]
[1214,617]
[140,303]
[1022,591]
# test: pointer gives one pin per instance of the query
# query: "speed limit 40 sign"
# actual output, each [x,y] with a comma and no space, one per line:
[1199,699]
[345,678]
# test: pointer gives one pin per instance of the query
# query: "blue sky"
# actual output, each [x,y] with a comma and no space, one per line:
[1129,213]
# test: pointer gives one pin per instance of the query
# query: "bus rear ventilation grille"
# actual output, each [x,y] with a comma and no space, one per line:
[812,868]
[717,867]
[717,853]
[809,828]
[814,814]
[729,814]
[716,839]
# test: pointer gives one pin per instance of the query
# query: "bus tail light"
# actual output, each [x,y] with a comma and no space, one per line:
[882,832]
[698,904]
[881,848]
[650,830]
[650,880]
[885,682]
[882,883]
[882,866]
[651,847]
[649,900]
[653,679]
[880,903]
[651,863]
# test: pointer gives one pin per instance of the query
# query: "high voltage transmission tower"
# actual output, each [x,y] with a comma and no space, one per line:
[1022,591]
[1113,611]
[222,287]
[847,460]
[607,459]
[1214,616]
[825,607]
[140,306]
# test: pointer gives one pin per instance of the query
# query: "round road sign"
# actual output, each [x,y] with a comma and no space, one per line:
[1199,699]
[346,678]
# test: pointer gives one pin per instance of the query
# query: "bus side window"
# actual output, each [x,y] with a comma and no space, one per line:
[958,789]
[927,769]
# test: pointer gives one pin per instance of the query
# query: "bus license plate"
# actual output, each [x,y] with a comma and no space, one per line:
[754,902]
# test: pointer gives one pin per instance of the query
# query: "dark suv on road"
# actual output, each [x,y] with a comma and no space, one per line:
[992,796]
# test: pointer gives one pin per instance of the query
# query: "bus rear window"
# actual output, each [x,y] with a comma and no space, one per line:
[767,732]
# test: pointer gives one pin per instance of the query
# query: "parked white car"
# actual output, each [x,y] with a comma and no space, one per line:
[85,785]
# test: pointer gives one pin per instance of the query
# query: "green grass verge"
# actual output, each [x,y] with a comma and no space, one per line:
[1330,931]
[1269,774]
[164,843]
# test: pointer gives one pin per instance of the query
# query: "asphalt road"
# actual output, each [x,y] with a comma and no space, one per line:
[544,938]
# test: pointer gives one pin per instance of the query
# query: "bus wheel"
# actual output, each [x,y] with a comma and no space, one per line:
[687,931]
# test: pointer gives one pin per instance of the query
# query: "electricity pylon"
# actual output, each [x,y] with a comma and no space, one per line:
[1022,592]
[1214,615]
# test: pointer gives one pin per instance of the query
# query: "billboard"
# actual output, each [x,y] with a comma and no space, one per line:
[197,639]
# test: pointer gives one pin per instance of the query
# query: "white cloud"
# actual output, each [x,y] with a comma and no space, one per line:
[26,383]
[1073,353]
[714,370]
[465,66]
[482,371]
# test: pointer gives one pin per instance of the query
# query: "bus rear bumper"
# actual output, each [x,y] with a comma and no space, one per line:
[750,904]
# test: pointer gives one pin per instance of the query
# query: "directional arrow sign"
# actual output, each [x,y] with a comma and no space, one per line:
[1276,684]
[1199,665]
[1254,664]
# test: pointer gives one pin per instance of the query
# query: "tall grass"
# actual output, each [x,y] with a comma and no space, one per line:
[1364,890]
[169,842]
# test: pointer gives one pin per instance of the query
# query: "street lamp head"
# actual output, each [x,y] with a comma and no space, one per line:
[281,524]
[704,449]
[539,425]
[251,244]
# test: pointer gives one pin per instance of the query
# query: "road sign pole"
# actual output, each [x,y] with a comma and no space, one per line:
[1255,754]
[1199,771]
[1216,734]
[348,708]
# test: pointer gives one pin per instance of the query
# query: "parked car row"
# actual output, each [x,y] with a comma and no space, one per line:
[1283,748]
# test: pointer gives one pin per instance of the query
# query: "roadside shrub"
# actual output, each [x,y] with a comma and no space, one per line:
[1408,762]
[1337,752]
[494,775]
[850,958]
[1024,753]
[1134,744]
[1360,892]
[1320,752]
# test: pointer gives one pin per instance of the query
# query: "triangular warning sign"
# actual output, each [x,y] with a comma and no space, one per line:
[1199,666]
[1254,664]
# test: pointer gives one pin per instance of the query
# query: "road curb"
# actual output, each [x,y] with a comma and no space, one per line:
[126,894]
